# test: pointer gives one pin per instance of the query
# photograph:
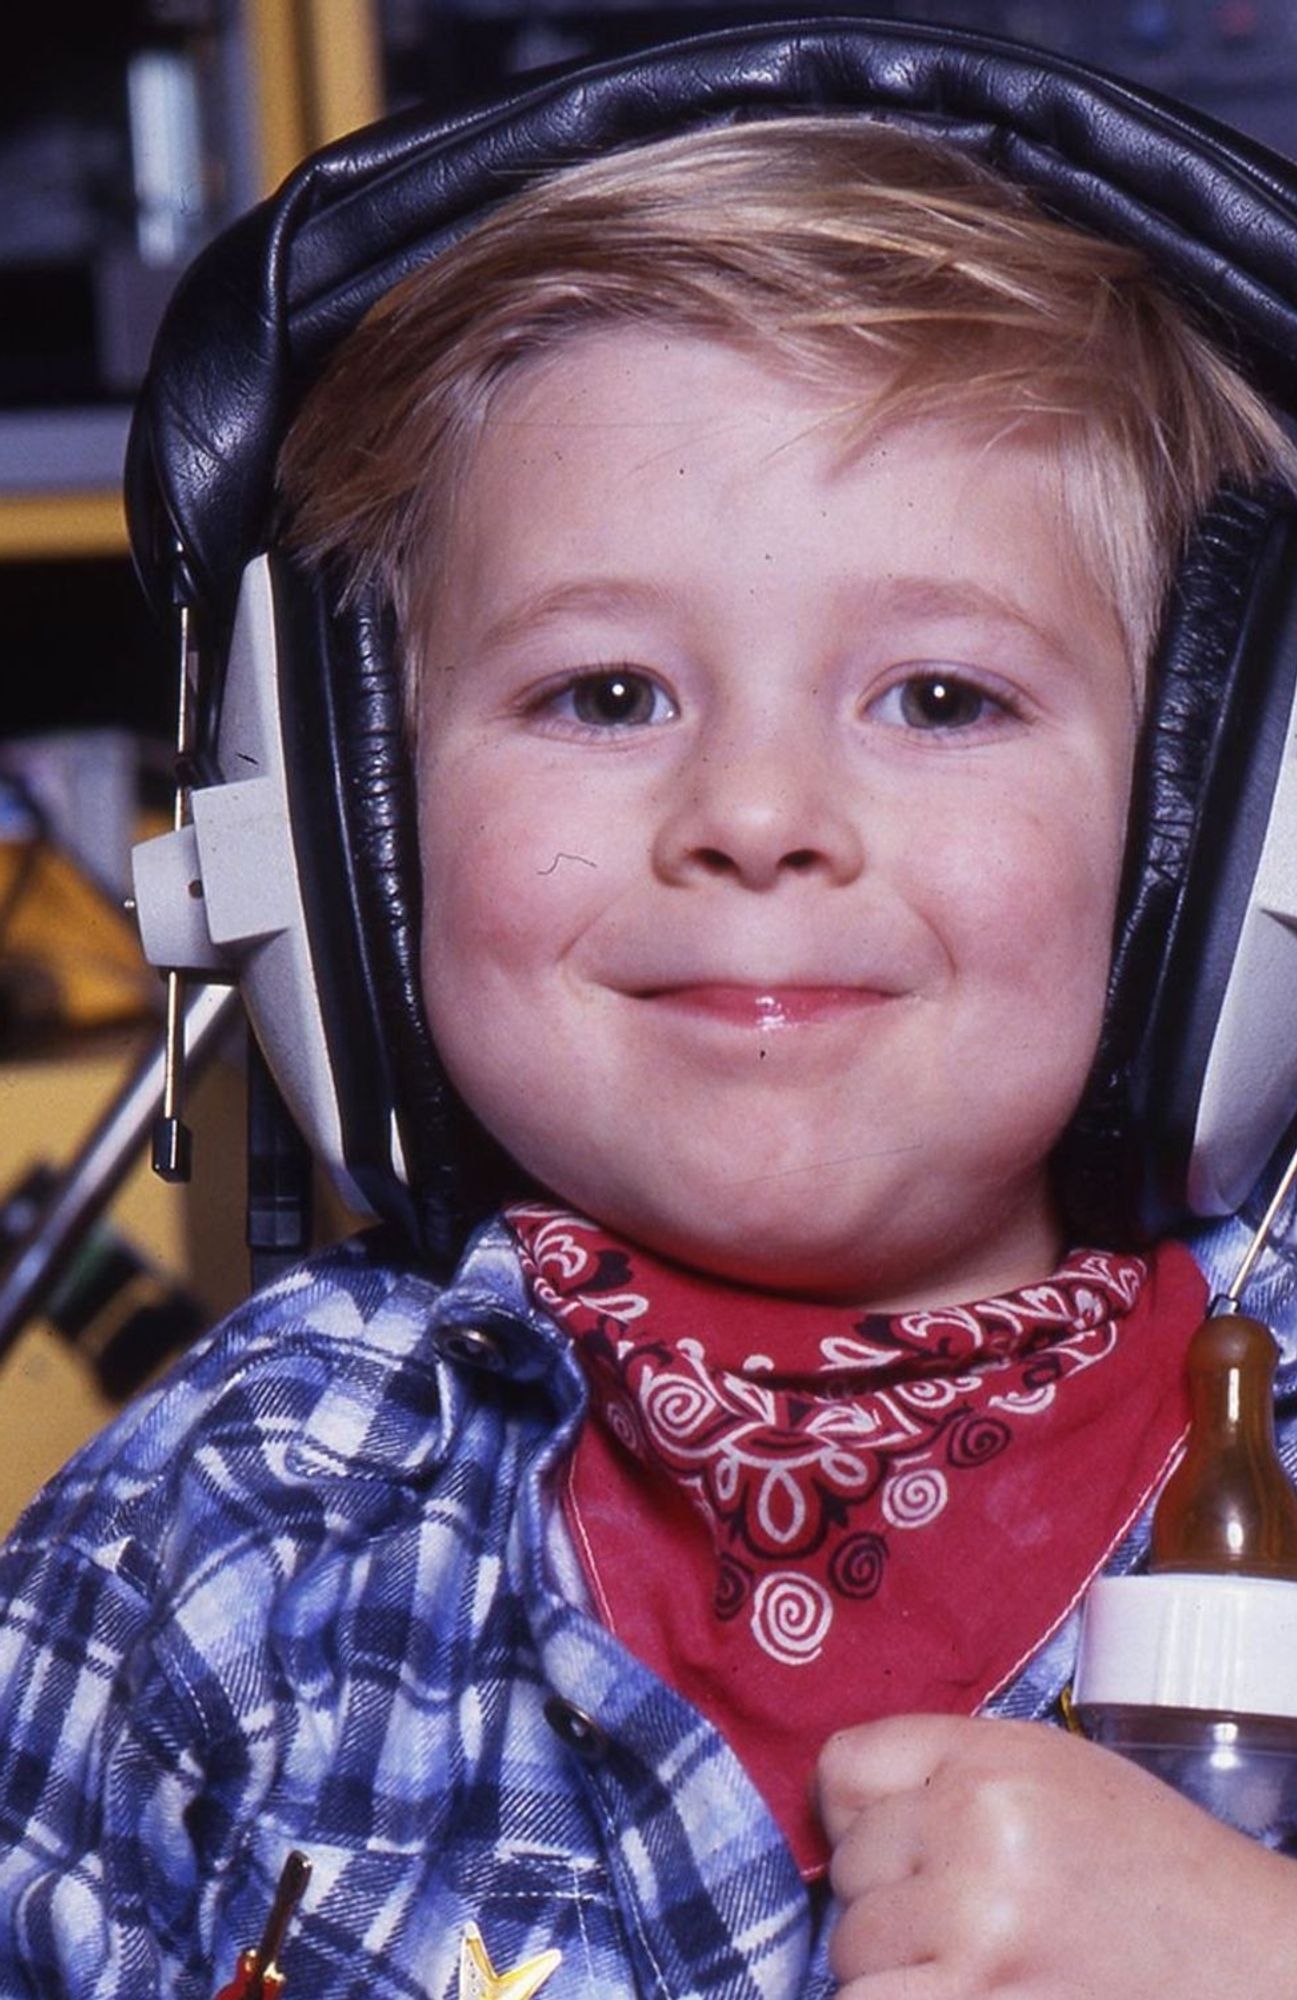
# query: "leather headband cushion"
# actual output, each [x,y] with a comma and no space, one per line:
[253,322]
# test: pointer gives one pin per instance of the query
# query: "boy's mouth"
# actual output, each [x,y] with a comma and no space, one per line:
[766,1007]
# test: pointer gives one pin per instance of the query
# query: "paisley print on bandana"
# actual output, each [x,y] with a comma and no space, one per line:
[784,1505]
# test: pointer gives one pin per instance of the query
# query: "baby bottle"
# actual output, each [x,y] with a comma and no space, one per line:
[1192,1669]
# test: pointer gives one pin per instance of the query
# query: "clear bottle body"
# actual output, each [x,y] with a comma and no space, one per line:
[1240,1768]
[1191,1670]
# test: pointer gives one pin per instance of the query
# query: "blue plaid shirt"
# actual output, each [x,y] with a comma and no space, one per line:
[299,1597]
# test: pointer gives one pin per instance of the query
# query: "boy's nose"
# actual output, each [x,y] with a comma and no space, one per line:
[757,818]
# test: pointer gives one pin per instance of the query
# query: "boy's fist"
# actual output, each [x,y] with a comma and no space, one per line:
[980,1857]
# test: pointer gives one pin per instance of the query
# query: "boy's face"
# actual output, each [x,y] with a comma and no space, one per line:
[772,809]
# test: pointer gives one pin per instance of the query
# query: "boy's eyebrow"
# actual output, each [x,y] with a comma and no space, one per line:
[939,597]
[590,595]
[914,597]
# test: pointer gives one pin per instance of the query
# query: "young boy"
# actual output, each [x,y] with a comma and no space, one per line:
[778,522]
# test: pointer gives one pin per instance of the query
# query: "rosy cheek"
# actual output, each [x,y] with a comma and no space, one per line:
[1038,891]
[509,887]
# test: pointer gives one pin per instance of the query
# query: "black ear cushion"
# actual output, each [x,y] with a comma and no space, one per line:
[1205,775]
[1234,804]
[334,739]
[456,1173]
[355,816]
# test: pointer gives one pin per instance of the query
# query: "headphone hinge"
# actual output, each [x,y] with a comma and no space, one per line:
[172,1138]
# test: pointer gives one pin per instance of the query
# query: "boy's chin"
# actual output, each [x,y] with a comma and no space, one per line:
[854,1264]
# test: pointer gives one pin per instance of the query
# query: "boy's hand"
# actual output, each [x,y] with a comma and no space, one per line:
[979,1857]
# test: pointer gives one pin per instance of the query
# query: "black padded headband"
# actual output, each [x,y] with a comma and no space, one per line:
[259,313]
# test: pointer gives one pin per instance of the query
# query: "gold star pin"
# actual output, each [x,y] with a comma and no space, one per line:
[479,1980]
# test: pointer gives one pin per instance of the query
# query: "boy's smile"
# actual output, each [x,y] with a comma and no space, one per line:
[772,807]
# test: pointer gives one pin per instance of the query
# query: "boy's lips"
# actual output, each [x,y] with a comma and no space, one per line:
[769,1006]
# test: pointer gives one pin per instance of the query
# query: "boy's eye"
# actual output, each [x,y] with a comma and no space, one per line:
[614,698]
[938,701]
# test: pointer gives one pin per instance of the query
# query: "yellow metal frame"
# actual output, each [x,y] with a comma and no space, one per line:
[83,523]
[275,66]
[318,74]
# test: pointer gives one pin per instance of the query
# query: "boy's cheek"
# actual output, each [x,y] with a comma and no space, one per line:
[506,879]
[1044,873]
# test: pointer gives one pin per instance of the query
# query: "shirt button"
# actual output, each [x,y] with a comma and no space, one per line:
[575,1728]
[472,1344]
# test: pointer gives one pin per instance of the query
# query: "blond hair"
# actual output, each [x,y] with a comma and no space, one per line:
[837,248]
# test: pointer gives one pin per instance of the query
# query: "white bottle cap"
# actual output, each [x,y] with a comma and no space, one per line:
[1227,1643]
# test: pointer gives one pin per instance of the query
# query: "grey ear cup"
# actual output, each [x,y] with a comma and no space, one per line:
[223,897]
[1249,1083]
[1193,1082]
[297,877]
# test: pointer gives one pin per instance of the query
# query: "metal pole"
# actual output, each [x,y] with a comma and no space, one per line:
[89,1183]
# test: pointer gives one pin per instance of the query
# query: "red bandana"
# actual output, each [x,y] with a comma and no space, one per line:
[804,1517]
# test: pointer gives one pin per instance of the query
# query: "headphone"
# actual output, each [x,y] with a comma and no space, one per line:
[297,869]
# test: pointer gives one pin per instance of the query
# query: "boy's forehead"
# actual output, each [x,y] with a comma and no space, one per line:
[641,390]
[632,466]
[637,398]
[648,410]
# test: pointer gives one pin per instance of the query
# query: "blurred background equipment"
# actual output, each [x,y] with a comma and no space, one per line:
[129,134]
